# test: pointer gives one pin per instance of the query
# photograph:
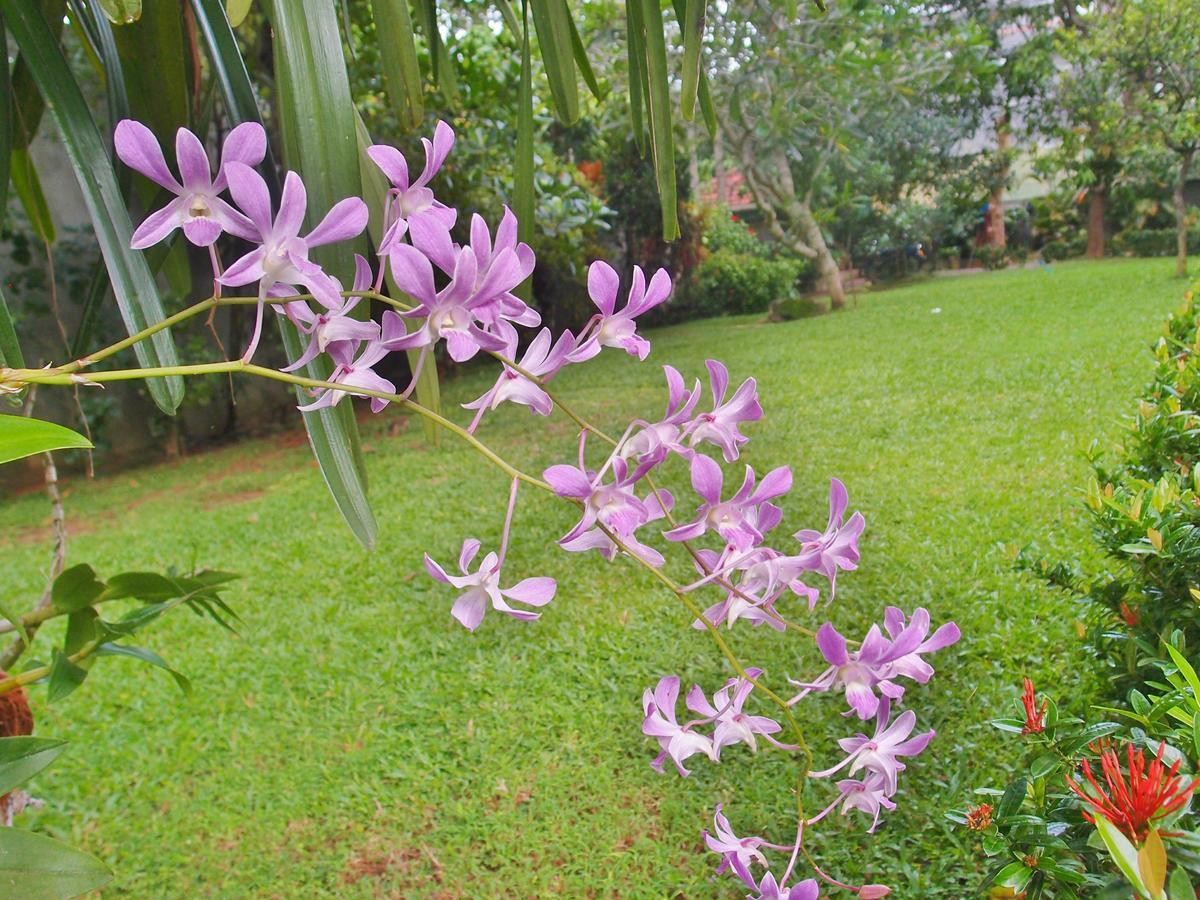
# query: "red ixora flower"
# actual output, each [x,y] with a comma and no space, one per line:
[979,818]
[1133,803]
[1033,713]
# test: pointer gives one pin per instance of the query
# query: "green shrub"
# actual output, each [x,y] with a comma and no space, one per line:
[728,283]
[790,308]
[1152,241]
[725,232]
[1065,248]
[992,257]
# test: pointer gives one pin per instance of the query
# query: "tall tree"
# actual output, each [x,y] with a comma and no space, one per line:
[798,94]
[1155,44]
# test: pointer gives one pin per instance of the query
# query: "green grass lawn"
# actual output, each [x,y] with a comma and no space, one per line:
[355,740]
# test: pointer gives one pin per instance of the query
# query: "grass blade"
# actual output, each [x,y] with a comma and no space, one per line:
[662,139]
[132,282]
[398,54]
[552,20]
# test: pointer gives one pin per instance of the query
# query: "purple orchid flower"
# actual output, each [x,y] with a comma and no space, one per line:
[654,441]
[677,742]
[196,209]
[411,203]
[737,520]
[613,505]
[721,425]
[499,266]
[879,661]
[767,888]
[282,261]
[351,372]
[541,360]
[870,795]
[733,725]
[618,329]
[837,547]
[881,752]
[728,844]
[451,314]
[482,587]
[761,584]
[658,504]
[333,324]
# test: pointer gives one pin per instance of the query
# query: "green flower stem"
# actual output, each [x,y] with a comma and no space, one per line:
[36,617]
[12,682]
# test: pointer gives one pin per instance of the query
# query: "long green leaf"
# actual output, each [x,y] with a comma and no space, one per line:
[433,38]
[692,26]
[28,105]
[6,121]
[22,757]
[132,282]
[636,54]
[662,139]
[10,349]
[21,437]
[34,867]
[398,54]
[707,111]
[523,187]
[28,186]
[147,656]
[552,20]
[374,192]
[313,86]
[600,92]
[154,61]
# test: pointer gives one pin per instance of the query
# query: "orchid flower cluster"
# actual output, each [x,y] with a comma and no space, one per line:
[464,296]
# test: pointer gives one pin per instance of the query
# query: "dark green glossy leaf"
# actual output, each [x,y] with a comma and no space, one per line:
[552,21]
[662,139]
[147,656]
[132,281]
[21,437]
[10,349]
[76,588]
[1015,875]
[146,586]
[65,677]
[23,757]
[1089,734]
[1013,797]
[398,54]
[1179,886]
[1043,765]
[34,867]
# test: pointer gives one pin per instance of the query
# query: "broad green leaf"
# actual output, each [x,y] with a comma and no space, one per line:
[146,586]
[1152,863]
[1123,853]
[1013,797]
[1185,669]
[1015,875]
[28,186]
[147,656]
[132,281]
[123,12]
[552,21]
[662,140]
[65,677]
[692,27]
[237,10]
[34,867]
[23,757]
[398,55]
[1179,885]
[81,630]
[374,192]
[21,436]
[10,349]
[76,588]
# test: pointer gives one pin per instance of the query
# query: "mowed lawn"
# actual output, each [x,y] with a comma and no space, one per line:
[354,740]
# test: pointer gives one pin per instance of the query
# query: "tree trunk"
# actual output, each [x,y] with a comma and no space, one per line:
[1097,198]
[831,276]
[1185,166]
[995,214]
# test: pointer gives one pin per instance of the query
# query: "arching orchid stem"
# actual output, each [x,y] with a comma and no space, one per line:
[508,517]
